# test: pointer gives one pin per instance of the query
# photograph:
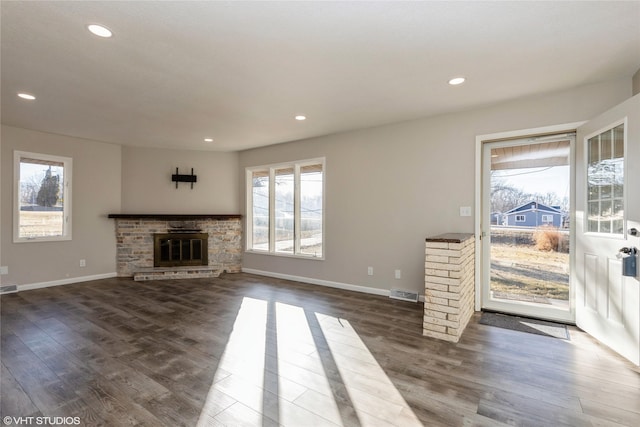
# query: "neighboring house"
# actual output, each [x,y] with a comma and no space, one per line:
[533,214]
[496,218]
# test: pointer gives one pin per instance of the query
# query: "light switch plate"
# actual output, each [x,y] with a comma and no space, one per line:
[465,210]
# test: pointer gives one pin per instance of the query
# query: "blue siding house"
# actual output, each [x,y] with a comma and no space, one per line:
[533,214]
[496,218]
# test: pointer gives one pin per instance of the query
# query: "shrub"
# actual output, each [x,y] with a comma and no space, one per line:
[547,239]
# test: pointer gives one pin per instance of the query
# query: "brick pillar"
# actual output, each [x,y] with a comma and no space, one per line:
[449,285]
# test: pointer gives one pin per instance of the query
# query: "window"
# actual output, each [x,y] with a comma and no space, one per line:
[42,204]
[520,218]
[547,218]
[285,213]
[605,181]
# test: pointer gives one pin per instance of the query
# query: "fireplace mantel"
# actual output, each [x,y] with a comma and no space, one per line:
[174,217]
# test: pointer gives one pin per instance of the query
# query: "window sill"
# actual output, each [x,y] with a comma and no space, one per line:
[42,239]
[284,255]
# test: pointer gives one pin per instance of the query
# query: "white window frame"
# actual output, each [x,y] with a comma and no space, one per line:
[67,163]
[272,168]
[521,218]
[546,218]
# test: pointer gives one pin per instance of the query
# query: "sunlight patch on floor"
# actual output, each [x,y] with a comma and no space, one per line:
[241,370]
[286,366]
[372,392]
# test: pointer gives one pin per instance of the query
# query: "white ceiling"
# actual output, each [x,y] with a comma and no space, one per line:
[177,72]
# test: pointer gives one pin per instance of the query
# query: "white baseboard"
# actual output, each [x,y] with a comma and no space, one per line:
[339,285]
[68,281]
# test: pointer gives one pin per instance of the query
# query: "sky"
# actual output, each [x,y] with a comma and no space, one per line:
[555,179]
[30,169]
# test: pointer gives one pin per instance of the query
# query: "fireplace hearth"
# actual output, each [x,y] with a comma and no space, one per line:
[180,249]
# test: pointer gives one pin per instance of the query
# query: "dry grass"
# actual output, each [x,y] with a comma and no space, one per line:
[527,271]
[39,224]
[547,239]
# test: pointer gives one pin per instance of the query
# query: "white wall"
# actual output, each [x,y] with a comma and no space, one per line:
[107,179]
[390,187]
[147,185]
[96,193]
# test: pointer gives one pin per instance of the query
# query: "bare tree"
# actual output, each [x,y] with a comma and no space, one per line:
[505,197]
[29,190]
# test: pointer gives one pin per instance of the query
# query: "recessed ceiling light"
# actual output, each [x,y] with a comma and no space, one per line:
[26,96]
[300,118]
[456,81]
[100,30]
[208,140]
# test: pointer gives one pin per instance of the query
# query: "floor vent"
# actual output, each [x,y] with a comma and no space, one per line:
[8,289]
[403,295]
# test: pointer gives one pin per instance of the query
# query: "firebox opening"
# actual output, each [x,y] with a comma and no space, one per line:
[180,249]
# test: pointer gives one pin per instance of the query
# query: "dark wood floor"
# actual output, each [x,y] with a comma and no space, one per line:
[249,350]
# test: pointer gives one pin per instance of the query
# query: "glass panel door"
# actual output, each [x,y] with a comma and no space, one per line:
[527,226]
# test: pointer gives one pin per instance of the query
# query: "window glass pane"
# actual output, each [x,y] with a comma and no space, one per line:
[594,192]
[618,137]
[594,211]
[618,216]
[618,177]
[605,145]
[618,226]
[284,210]
[605,210]
[260,210]
[618,209]
[594,149]
[311,210]
[593,217]
[41,198]
[605,216]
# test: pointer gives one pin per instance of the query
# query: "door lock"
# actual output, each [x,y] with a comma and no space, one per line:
[629,257]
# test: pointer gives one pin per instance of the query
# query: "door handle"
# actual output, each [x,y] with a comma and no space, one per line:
[629,251]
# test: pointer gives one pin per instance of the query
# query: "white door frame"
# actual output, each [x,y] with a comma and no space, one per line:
[480,139]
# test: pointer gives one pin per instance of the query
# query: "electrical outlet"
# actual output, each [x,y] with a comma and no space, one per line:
[83,263]
[370,271]
[398,274]
[4,270]
[465,210]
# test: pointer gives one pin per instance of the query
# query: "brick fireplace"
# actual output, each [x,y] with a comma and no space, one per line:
[219,248]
